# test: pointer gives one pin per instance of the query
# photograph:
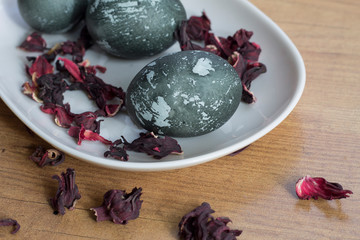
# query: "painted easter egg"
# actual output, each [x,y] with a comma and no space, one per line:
[184,94]
[134,29]
[52,16]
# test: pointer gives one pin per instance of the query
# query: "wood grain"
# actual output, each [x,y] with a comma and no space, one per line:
[254,188]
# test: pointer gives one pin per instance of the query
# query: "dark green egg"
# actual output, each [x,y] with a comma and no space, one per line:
[134,28]
[52,16]
[184,94]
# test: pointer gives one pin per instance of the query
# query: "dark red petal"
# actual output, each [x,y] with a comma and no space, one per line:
[198,27]
[40,67]
[241,37]
[308,187]
[33,43]
[112,109]
[67,193]
[72,68]
[200,224]
[117,151]
[88,120]
[153,145]
[10,222]
[119,207]
[83,134]
[62,115]
[44,157]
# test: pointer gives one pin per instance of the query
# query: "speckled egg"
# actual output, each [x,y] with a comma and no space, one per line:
[134,29]
[184,94]
[52,16]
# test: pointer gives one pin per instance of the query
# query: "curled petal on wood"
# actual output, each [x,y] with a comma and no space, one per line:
[308,187]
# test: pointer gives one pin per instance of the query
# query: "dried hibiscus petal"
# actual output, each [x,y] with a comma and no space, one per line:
[117,151]
[200,224]
[40,67]
[198,27]
[67,193]
[51,88]
[72,68]
[308,187]
[88,120]
[153,145]
[10,222]
[84,134]
[44,157]
[33,43]
[63,116]
[119,206]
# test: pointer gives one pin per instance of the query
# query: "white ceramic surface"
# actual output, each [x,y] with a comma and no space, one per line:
[277,91]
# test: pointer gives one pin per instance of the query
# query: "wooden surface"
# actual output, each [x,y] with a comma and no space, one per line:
[254,188]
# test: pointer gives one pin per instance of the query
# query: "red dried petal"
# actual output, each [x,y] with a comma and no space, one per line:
[308,187]
[33,43]
[119,207]
[44,157]
[83,134]
[153,145]
[200,224]
[198,27]
[31,90]
[117,151]
[112,109]
[72,68]
[62,115]
[88,120]
[67,193]
[40,67]
[10,222]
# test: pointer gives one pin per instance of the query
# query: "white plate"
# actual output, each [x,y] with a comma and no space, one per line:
[278,90]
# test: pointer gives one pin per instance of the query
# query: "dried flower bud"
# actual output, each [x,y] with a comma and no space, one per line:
[44,157]
[67,193]
[308,187]
[200,224]
[10,222]
[119,207]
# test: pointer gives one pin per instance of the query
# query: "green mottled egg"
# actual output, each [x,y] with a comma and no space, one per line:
[55,16]
[184,94]
[134,28]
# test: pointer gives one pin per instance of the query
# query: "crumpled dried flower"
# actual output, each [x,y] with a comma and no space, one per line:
[308,187]
[62,115]
[44,157]
[33,43]
[67,193]
[117,151]
[198,27]
[84,134]
[199,224]
[10,222]
[119,206]
[153,145]
[40,67]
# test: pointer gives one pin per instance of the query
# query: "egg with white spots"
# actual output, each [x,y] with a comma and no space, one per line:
[134,28]
[52,16]
[184,94]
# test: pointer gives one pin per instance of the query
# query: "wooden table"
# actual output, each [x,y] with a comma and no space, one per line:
[255,188]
